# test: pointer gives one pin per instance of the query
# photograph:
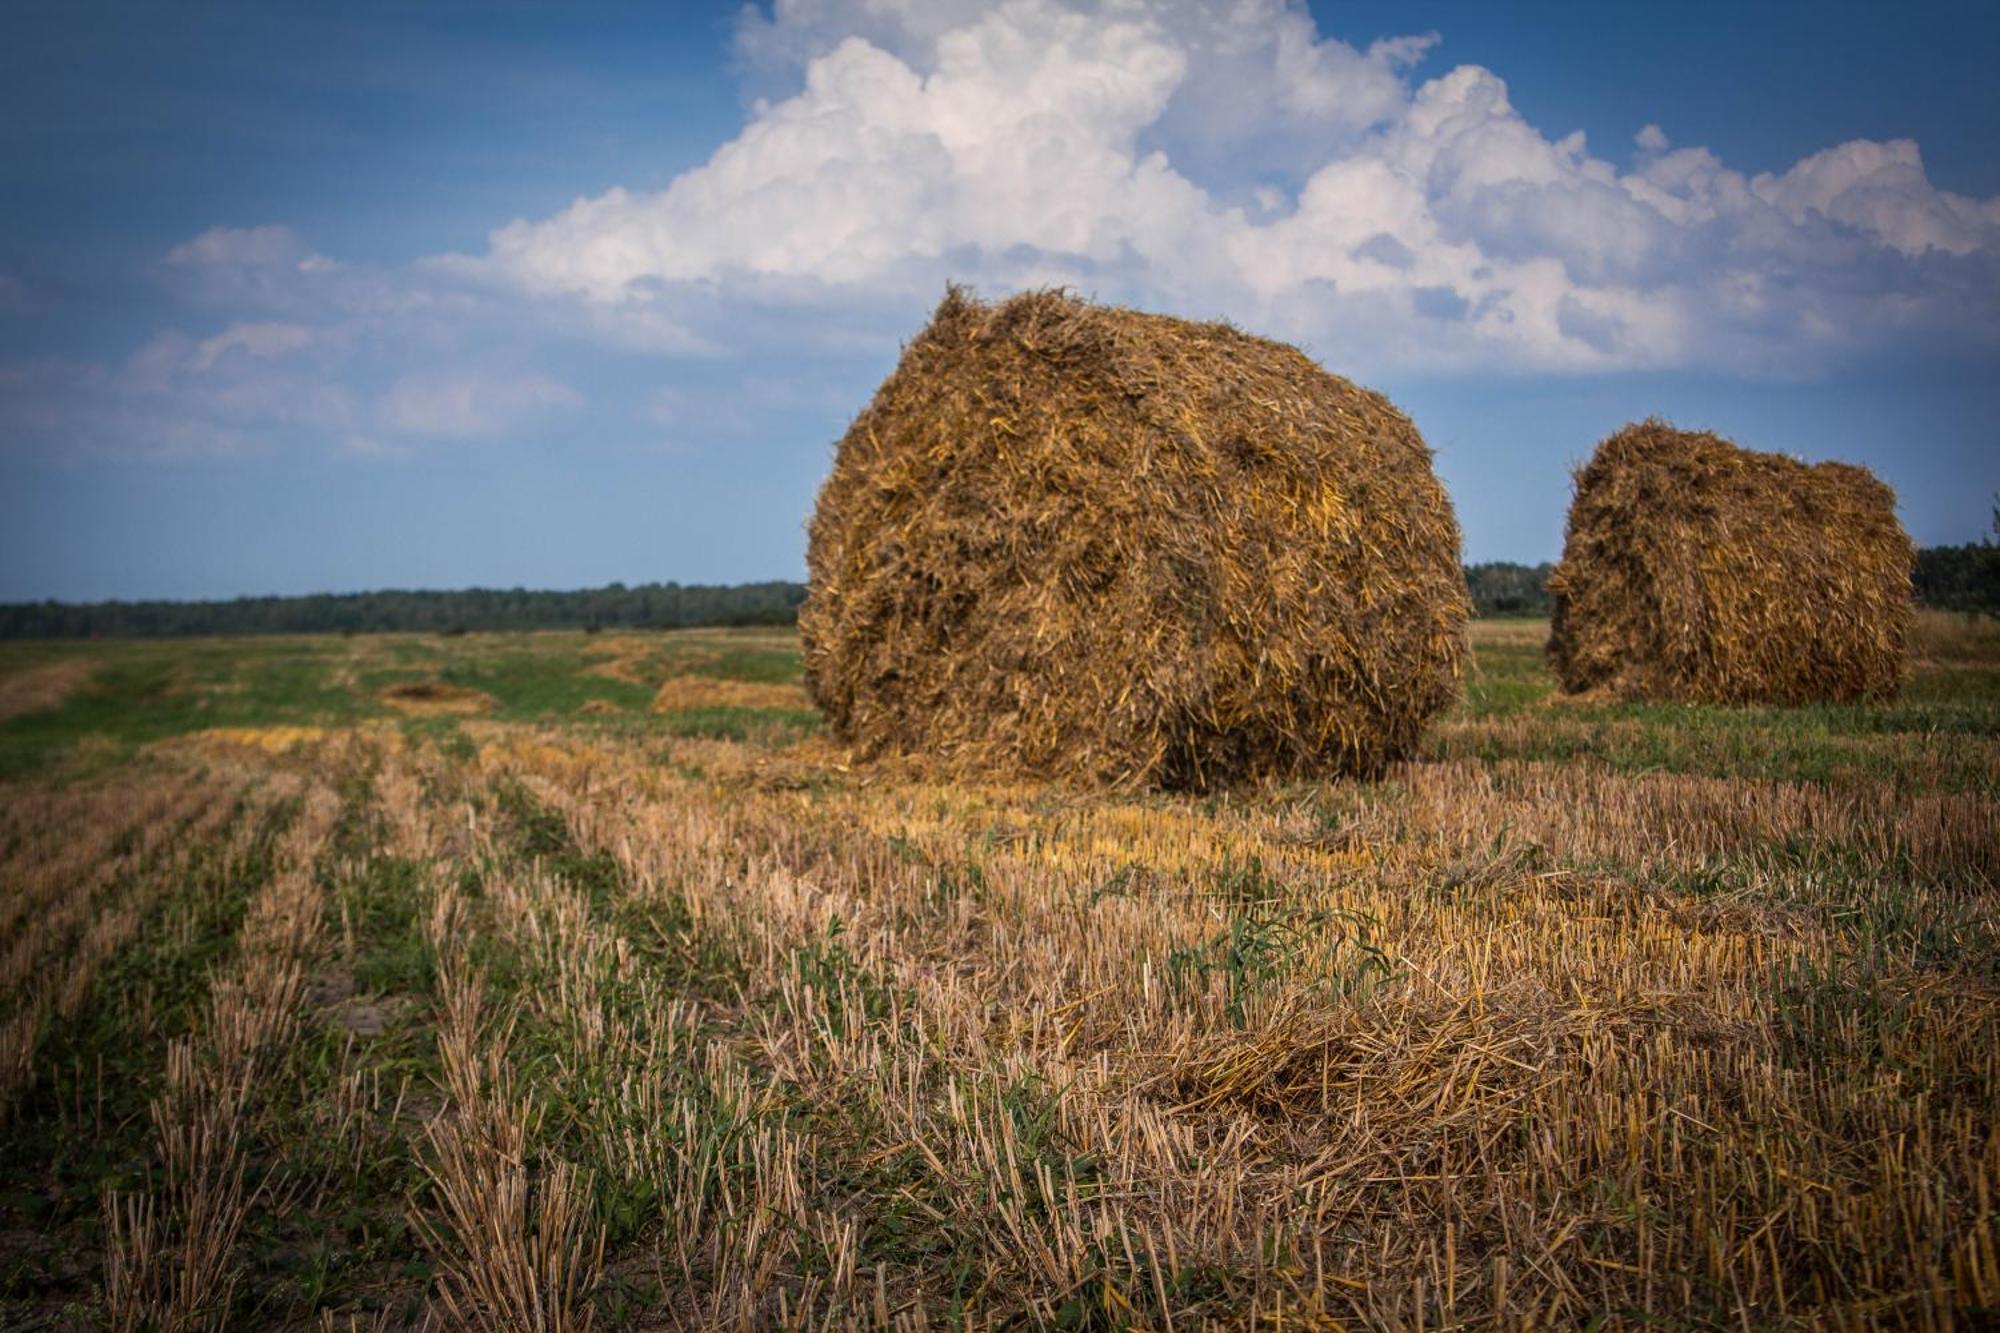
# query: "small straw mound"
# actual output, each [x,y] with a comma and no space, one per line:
[435,697]
[682,694]
[1080,542]
[1699,571]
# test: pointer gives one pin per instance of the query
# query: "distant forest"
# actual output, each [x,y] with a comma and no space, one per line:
[1960,578]
[1957,578]
[645,606]
[1947,578]
[1503,588]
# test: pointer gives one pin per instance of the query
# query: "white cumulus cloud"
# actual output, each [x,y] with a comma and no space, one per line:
[1203,157]
[1427,224]
[1880,189]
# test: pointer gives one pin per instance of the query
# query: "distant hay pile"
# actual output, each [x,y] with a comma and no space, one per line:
[1699,571]
[435,698]
[682,694]
[1075,541]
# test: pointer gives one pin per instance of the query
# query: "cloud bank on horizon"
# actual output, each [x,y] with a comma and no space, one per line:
[1203,157]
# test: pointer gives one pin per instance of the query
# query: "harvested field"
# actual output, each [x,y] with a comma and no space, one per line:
[38,688]
[1954,638]
[314,1013]
[626,657]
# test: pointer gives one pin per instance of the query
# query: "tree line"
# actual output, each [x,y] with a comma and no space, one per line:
[1946,578]
[645,606]
[1960,578]
[1956,578]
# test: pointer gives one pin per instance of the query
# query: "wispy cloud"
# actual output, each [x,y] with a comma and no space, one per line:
[14,297]
[465,406]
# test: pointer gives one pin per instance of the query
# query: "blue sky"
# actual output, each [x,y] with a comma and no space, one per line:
[336,297]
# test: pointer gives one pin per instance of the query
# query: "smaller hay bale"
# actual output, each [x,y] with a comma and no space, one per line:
[1699,571]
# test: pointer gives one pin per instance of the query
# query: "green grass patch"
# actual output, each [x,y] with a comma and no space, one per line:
[767,666]
[768,726]
[145,692]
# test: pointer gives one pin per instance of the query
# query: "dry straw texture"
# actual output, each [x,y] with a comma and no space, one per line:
[1082,542]
[545,1025]
[1700,571]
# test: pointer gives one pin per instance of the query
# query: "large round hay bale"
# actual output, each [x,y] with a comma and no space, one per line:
[1074,541]
[1697,570]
